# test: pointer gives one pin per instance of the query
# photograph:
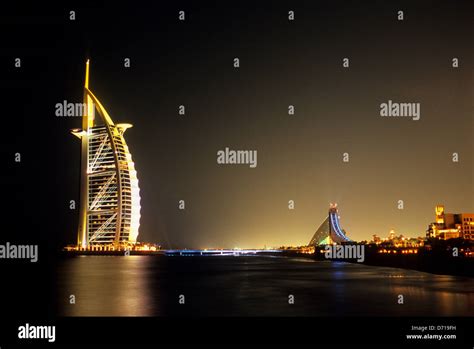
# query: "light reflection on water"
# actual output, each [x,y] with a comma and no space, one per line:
[106,286]
[253,286]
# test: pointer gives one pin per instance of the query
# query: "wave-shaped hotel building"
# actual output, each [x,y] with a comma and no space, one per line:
[110,197]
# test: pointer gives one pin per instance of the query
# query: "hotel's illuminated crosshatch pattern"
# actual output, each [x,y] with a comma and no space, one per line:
[110,196]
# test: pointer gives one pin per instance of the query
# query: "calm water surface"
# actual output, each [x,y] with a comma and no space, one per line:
[253,286]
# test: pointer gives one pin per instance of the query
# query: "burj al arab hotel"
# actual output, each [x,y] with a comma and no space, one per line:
[110,196]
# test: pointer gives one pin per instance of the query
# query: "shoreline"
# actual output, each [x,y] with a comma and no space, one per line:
[433,263]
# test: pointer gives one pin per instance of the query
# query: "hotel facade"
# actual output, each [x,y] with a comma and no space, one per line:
[451,225]
[109,215]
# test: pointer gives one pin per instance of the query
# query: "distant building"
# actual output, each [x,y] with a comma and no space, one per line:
[391,235]
[330,230]
[451,225]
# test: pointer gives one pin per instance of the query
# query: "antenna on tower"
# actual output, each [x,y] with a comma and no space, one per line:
[86,83]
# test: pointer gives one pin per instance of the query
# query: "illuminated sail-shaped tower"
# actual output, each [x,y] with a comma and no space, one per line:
[110,196]
[329,231]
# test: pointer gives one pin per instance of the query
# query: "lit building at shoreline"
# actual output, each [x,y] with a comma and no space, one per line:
[110,197]
[451,225]
[330,230]
[395,240]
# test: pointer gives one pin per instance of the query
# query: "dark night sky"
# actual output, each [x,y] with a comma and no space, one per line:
[282,63]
